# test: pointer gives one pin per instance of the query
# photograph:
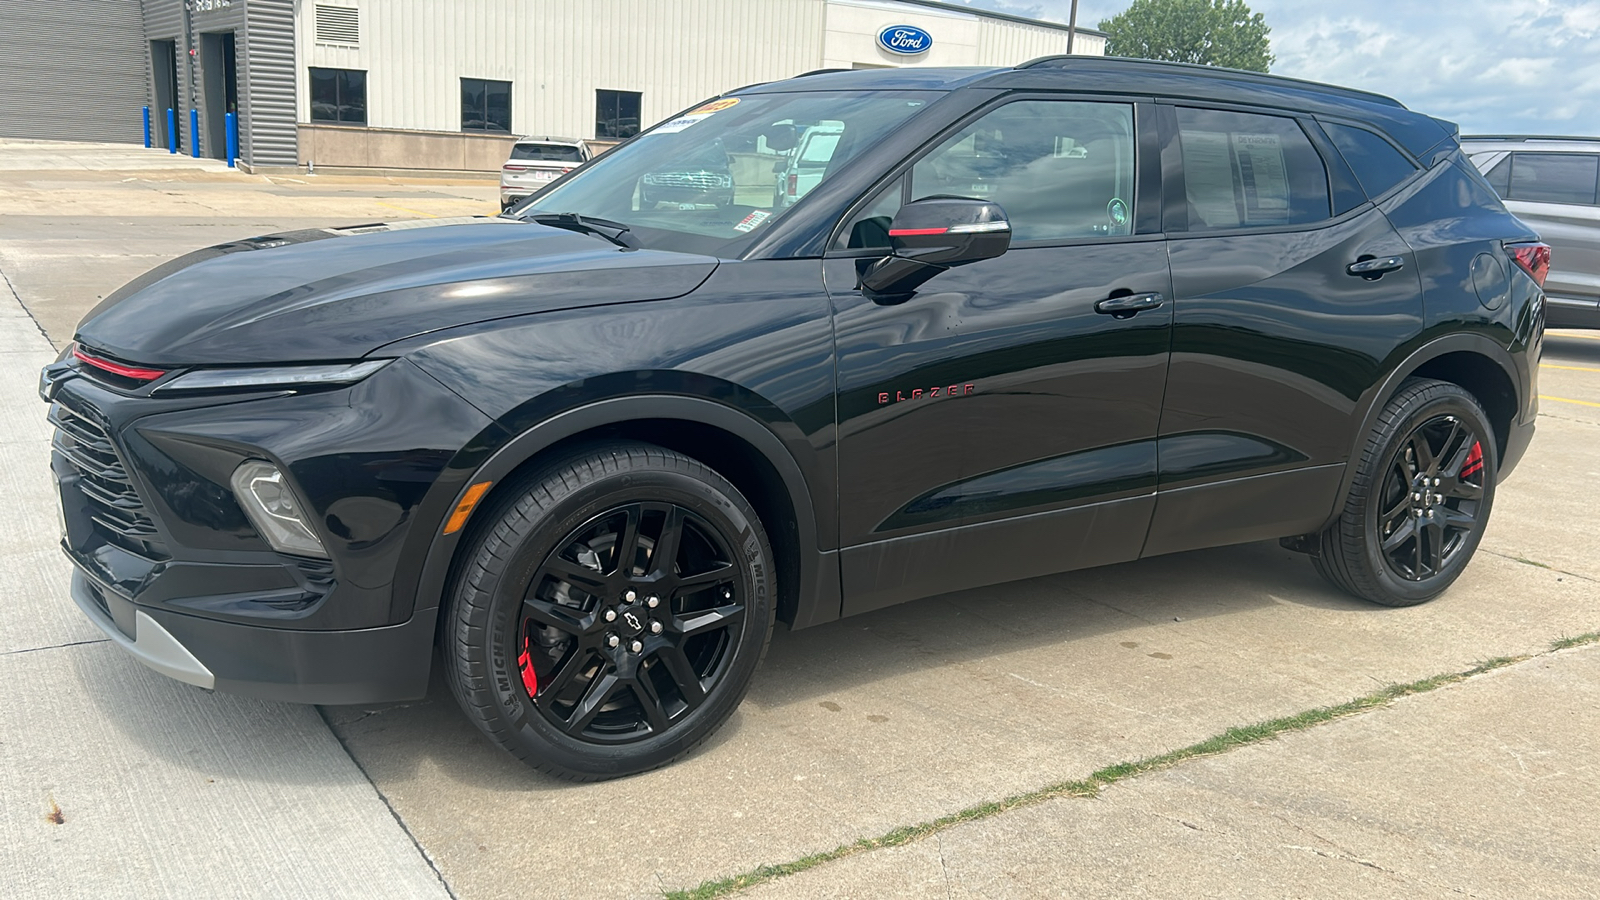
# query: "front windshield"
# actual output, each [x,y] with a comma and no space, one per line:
[725,171]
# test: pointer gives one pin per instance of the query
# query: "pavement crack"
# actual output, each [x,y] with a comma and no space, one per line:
[1538,565]
[55,646]
[1341,856]
[393,813]
[18,297]
[944,867]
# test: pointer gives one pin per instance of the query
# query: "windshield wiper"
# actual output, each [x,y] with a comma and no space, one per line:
[615,232]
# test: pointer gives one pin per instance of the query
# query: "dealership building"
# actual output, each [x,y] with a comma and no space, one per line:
[442,85]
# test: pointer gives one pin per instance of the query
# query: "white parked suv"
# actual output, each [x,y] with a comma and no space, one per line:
[535,162]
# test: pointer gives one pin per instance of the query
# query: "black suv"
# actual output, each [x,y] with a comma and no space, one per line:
[1029,320]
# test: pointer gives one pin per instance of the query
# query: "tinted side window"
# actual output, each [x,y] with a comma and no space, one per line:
[1554,177]
[1060,169]
[1243,170]
[869,228]
[1377,164]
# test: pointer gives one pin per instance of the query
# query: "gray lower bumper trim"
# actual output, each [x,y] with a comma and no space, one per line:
[151,644]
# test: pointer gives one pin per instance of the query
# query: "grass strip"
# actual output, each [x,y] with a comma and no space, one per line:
[1238,736]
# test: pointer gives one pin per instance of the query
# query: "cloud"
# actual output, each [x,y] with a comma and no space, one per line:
[1529,66]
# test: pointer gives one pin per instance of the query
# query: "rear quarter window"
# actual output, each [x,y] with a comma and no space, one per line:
[1554,177]
[1244,170]
[1377,164]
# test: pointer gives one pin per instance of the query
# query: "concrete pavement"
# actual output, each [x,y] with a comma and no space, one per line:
[1470,791]
[851,730]
[118,782]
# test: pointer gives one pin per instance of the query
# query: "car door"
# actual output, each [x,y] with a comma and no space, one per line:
[995,425]
[1285,315]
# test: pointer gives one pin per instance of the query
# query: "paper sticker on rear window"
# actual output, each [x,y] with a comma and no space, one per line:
[752,221]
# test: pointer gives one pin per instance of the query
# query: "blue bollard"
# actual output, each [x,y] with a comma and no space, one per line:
[194,133]
[172,131]
[232,120]
[147,128]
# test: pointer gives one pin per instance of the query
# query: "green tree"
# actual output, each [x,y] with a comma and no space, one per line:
[1208,32]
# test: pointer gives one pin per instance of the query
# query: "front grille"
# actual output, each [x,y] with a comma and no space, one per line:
[114,505]
[702,181]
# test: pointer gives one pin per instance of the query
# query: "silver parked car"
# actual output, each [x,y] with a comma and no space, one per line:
[1553,184]
[535,162]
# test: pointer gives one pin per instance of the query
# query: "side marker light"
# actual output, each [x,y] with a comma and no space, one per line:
[458,519]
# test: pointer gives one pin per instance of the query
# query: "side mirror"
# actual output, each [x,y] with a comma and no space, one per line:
[934,234]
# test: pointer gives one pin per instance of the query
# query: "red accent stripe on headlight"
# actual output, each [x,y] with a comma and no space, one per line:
[105,365]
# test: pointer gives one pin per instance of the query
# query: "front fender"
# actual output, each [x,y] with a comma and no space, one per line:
[818,582]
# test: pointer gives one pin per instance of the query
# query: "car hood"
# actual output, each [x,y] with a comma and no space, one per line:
[333,294]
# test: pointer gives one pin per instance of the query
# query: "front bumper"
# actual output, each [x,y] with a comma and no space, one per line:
[369,665]
[167,566]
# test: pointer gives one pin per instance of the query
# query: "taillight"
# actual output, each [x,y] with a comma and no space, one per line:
[566,170]
[509,168]
[1533,258]
[794,185]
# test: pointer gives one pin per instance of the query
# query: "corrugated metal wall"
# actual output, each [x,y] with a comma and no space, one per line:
[263,33]
[267,84]
[556,55]
[72,71]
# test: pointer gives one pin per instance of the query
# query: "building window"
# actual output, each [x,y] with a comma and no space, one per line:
[485,105]
[339,95]
[616,114]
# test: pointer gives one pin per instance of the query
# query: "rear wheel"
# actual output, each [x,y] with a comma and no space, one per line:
[611,612]
[1421,498]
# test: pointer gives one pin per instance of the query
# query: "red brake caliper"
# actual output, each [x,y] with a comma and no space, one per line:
[1474,463]
[530,679]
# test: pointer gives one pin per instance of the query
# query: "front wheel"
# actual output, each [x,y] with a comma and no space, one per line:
[1420,500]
[611,612]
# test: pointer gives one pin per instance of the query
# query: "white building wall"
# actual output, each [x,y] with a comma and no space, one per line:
[959,38]
[557,53]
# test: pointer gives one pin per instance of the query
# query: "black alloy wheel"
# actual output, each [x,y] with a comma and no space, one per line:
[1423,488]
[1430,497]
[630,623]
[611,613]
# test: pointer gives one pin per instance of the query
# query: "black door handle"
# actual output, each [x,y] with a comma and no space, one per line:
[1129,304]
[1374,268]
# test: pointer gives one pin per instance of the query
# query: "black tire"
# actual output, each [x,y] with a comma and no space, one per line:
[1402,539]
[542,589]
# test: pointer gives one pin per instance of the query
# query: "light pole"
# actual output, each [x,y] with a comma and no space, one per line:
[1072,26]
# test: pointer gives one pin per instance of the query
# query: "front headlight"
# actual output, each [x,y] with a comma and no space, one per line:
[274,378]
[272,506]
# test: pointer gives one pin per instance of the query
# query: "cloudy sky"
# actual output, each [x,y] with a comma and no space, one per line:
[1507,66]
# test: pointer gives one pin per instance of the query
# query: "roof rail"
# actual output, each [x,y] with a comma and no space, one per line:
[1528,137]
[1220,72]
[822,72]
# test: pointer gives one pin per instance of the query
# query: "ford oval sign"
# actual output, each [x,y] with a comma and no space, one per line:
[906,40]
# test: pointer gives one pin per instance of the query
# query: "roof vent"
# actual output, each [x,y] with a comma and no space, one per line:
[338,25]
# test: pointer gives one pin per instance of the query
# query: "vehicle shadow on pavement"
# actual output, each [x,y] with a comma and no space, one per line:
[899,643]
[1574,348]
[168,724]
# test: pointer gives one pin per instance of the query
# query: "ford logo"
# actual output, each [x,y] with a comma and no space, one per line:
[906,40]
